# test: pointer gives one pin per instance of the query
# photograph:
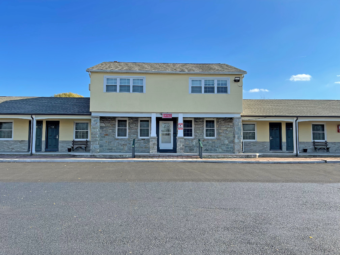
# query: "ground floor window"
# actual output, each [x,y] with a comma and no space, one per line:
[188,128]
[210,129]
[249,133]
[144,128]
[81,131]
[6,130]
[318,132]
[122,128]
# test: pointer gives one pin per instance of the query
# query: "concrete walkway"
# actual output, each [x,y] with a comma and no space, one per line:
[66,158]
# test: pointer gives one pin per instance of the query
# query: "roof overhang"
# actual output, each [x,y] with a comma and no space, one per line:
[161,72]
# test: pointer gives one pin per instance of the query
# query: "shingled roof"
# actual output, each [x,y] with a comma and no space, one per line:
[139,67]
[291,108]
[45,105]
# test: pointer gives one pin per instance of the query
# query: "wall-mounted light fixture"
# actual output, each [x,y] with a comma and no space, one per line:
[237,79]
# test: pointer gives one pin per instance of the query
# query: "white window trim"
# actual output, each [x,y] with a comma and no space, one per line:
[193,128]
[324,131]
[127,128]
[215,83]
[3,139]
[248,140]
[144,137]
[118,83]
[88,131]
[205,120]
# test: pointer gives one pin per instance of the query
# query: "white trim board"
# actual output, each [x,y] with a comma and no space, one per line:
[42,117]
[267,119]
[175,115]
[26,117]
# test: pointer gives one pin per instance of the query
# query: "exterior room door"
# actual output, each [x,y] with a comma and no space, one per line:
[275,136]
[52,135]
[166,139]
[38,135]
[289,137]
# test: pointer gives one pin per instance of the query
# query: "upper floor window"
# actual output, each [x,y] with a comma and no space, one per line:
[209,85]
[6,130]
[124,84]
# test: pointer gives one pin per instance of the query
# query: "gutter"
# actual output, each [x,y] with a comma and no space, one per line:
[31,140]
[287,116]
[165,72]
[297,136]
[68,114]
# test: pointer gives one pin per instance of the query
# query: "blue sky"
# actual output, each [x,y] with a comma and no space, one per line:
[46,45]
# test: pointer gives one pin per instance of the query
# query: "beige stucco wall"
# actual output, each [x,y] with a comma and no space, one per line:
[66,128]
[305,131]
[165,93]
[20,128]
[262,130]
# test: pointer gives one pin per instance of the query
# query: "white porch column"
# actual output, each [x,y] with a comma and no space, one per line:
[34,132]
[294,136]
[153,124]
[153,136]
[180,138]
[180,120]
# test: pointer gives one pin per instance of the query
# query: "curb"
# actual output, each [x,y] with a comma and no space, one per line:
[159,161]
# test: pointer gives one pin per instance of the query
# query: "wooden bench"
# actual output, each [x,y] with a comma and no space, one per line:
[321,145]
[79,144]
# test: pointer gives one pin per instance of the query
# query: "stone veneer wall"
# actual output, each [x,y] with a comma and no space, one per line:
[260,147]
[223,143]
[108,143]
[14,145]
[333,147]
[63,145]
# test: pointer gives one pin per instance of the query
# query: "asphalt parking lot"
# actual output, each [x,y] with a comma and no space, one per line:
[169,208]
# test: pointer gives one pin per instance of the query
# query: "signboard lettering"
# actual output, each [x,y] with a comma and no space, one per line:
[180,126]
[167,115]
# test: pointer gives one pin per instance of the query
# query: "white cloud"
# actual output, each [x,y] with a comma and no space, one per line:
[300,77]
[337,82]
[338,75]
[258,90]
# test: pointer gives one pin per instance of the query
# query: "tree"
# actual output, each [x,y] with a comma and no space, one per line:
[67,94]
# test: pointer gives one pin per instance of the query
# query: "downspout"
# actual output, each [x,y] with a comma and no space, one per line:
[31,140]
[297,136]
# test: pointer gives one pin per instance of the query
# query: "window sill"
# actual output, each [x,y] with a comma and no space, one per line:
[6,139]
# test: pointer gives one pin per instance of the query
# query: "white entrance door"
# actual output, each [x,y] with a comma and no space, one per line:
[166,141]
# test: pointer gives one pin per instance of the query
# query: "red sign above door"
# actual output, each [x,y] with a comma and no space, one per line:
[167,115]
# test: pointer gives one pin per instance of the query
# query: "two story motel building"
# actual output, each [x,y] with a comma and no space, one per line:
[167,108]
